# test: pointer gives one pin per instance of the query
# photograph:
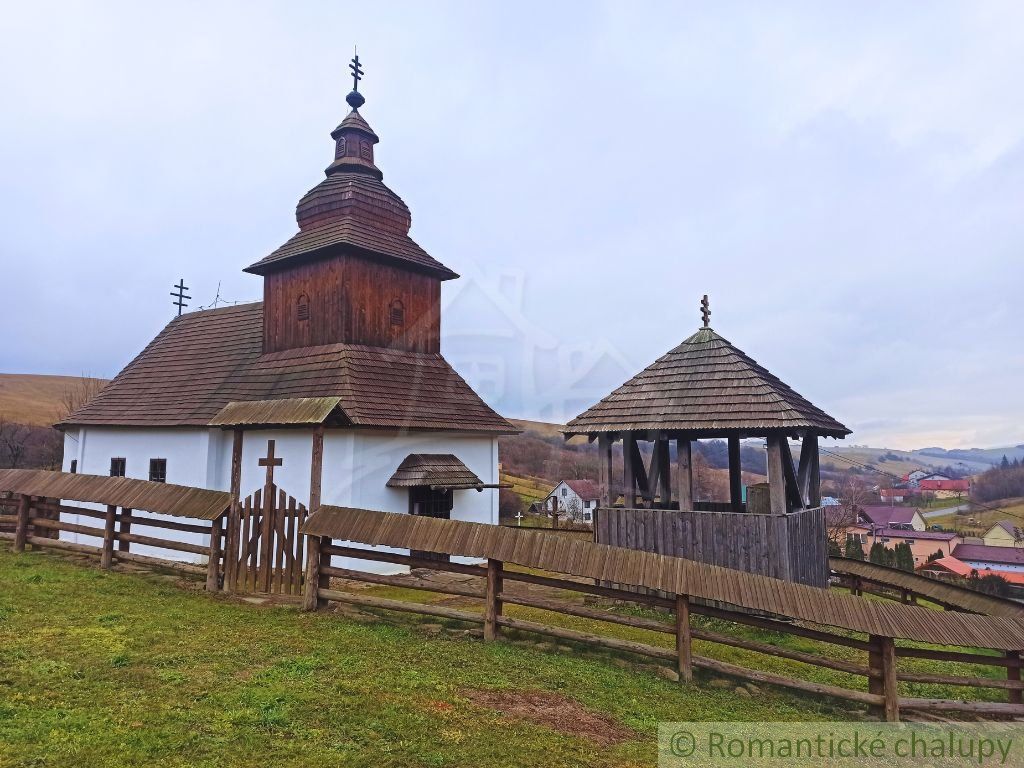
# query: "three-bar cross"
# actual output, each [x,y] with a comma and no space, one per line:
[180,295]
[705,311]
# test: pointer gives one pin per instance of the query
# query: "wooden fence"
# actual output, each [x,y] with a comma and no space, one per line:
[879,651]
[37,522]
[791,547]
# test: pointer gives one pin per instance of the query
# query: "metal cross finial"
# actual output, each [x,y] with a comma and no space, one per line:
[705,311]
[357,71]
[180,295]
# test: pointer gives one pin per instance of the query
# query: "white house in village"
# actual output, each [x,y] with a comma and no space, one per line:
[576,498]
[346,339]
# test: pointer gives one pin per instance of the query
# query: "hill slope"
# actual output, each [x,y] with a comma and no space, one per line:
[37,400]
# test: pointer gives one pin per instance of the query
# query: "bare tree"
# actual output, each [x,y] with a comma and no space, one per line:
[574,509]
[77,393]
[853,495]
[14,442]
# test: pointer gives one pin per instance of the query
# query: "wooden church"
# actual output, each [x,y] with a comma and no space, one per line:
[343,350]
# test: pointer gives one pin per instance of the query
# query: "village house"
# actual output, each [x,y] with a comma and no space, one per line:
[1004,534]
[343,351]
[576,498]
[983,556]
[944,488]
[895,495]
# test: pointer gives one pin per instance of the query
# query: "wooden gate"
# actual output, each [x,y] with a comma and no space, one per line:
[271,551]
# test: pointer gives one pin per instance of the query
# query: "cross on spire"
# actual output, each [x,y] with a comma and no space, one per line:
[357,71]
[705,311]
[270,461]
[180,295]
[355,98]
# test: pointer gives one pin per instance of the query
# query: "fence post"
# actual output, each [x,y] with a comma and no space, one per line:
[21,531]
[213,567]
[107,554]
[1014,695]
[684,652]
[315,579]
[492,608]
[124,529]
[233,544]
[883,661]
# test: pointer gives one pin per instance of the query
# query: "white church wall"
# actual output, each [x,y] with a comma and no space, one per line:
[373,456]
[187,452]
[357,466]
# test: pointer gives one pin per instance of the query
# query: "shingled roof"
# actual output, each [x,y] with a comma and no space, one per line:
[709,386]
[204,360]
[437,470]
[353,210]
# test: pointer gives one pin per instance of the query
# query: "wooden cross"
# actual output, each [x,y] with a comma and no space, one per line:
[357,71]
[705,311]
[180,295]
[270,461]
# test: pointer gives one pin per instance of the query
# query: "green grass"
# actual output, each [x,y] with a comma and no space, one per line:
[121,669]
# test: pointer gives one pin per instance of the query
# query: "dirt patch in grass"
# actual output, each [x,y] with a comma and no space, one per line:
[553,711]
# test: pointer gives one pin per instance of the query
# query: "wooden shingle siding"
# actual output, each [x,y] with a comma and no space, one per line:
[671,575]
[204,360]
[350,300]
[705,385]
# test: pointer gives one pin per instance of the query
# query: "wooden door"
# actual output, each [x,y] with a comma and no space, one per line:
[428,502]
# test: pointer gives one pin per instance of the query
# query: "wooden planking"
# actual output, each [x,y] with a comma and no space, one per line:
[670,575]
[775,546]
[349,303]
[162,498]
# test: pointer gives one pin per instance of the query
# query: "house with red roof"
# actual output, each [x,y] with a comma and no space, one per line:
[944,488]
[576,498]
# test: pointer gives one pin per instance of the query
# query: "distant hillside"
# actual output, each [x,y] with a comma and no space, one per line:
[37,400]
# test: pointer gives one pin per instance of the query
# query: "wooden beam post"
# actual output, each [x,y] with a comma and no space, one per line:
[628,471]
[735,476]
[124,529]
[793,498]
[664,472]
[684,475]
[684,652]
[107,553]
[604,469]
[21,530]
[314,579]
[493,606]
[233,544]
[776,475]
[213,566]
[803,473]
[883,660]
[814,473]
[1014,695]
[311,589]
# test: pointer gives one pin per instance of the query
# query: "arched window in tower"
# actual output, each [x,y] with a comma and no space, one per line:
[302,307]
[397,313]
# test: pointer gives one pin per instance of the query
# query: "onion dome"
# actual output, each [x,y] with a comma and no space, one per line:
[352,209]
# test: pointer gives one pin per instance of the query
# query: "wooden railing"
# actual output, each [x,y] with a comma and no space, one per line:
[36,522]
[878,666]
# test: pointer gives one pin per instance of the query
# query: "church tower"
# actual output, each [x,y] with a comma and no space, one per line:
[352,274]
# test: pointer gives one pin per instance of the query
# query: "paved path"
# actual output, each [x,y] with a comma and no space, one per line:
[946,511]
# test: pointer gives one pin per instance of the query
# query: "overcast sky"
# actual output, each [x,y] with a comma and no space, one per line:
[845,180]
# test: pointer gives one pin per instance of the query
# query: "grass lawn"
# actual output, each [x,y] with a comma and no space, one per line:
[134,669]
[984,517]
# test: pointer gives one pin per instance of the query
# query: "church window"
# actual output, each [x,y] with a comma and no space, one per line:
[340,148]
[397,312]
[158,470]
[303,307]
[117,467]
[74,466]
[365,151]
